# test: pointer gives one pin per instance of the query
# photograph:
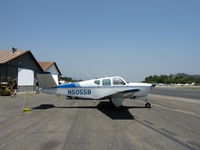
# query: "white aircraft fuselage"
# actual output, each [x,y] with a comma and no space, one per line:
[112,88]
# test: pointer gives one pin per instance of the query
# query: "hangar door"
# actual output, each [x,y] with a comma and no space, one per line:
[25,77]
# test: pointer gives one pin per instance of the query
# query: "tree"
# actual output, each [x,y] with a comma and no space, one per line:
[175,79]
[67,79]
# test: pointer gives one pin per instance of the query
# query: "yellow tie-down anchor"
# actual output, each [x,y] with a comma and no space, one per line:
[25,109]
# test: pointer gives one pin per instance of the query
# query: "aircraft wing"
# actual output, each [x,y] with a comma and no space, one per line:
[122,94]
[118,97]
[130,91]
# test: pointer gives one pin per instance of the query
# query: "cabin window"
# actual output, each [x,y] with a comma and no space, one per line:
[118,81]
[106,82]
[97,82]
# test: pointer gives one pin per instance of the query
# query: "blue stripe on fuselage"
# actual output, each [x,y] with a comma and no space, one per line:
[133,90]
[69,85]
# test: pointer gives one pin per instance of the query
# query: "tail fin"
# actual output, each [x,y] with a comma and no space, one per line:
[46,80]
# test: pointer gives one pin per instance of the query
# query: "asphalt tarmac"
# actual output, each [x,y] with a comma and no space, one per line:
[55,123]
[178,92]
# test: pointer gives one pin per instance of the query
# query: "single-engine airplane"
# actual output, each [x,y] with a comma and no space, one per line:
[116,89]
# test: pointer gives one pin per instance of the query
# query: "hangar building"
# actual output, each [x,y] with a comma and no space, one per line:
[19,65]
[52,68]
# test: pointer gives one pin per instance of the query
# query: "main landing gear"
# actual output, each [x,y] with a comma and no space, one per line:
[147,105]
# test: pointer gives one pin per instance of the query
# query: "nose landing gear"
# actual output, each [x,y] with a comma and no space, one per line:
[147,105]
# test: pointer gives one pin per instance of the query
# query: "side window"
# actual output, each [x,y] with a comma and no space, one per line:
[97,82]
[118,81]
[106,82]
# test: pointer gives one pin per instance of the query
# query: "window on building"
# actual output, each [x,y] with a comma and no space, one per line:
[106,82]
[118,81]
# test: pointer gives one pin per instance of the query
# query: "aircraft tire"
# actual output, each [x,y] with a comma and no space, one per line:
[148,105]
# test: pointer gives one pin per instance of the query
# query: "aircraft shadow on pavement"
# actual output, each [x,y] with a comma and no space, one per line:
[44,106]
[105,107]
[116,114]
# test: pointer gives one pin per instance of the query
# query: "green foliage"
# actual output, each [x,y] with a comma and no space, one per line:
[174,79]
[67,79]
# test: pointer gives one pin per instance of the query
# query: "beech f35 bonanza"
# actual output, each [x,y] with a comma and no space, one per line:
[116,89]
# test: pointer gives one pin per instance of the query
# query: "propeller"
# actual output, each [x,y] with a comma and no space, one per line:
[153,85]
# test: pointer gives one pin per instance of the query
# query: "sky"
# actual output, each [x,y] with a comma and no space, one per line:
[98,38]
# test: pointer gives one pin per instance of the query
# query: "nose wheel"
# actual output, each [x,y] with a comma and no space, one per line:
[148,105]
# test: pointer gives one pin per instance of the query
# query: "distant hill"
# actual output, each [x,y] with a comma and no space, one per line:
[186,75]
[181,78]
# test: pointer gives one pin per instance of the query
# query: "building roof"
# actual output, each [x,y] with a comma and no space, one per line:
[8,55]
[45,65]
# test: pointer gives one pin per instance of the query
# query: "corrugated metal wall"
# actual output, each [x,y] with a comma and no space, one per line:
[11,70]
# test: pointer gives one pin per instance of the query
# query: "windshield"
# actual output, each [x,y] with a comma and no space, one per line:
[118,81]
